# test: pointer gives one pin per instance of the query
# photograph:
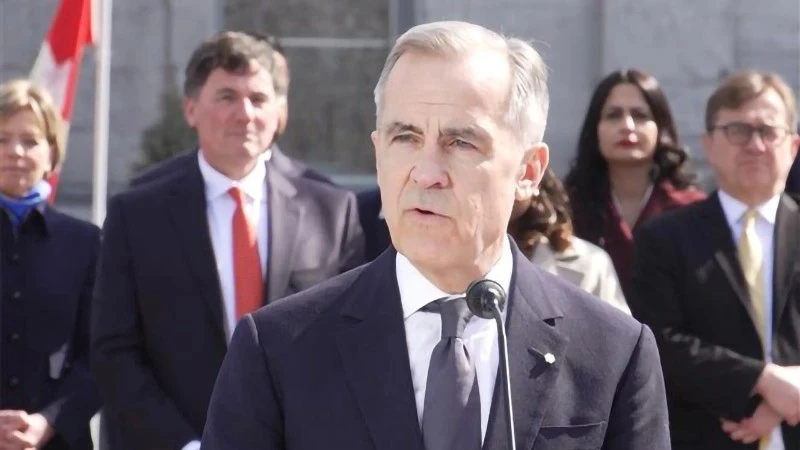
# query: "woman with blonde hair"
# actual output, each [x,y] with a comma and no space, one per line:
[47,262]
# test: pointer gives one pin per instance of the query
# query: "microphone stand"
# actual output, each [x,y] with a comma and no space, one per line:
[503,346]
[485,299]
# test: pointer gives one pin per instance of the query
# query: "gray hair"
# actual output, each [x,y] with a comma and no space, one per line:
[529,98]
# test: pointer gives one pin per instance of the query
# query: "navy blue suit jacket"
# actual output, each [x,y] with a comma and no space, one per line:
[48,273]
[158,329]
[329,368]
[376,233]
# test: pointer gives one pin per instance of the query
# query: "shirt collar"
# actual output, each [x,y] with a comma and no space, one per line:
[734,209]
[417,291]
[217,184]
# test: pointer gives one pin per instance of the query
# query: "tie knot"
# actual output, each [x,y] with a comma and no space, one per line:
[454,313]
[237,194]
[749,216]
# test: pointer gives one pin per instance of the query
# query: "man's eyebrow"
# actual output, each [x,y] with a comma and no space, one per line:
[399,127]
[225,90]
[469,132]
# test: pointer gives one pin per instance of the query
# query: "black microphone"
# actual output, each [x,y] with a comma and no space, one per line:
[485,299]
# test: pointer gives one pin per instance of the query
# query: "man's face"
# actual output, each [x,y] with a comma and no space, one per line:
[235,115]
[752,166]
[449,166]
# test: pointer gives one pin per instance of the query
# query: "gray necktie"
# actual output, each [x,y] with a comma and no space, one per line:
[451,418]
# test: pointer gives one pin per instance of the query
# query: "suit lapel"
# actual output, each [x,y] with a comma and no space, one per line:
[536,350]
[284,223]
[716,232]
[190,221]
[787,247]
[375,357]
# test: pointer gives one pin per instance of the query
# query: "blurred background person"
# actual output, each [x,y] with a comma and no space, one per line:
[542,228]
[281,78]
[184,257]
[47,395]
[718,280]
[629,166]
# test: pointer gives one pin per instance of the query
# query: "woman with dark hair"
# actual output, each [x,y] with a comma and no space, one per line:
[542,228]
[629,165]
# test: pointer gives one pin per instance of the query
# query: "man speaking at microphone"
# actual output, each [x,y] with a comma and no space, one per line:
[378,358]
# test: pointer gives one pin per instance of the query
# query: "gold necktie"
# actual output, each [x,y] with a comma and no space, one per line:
[752,259]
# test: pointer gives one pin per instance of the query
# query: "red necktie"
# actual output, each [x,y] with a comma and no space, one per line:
[248,282]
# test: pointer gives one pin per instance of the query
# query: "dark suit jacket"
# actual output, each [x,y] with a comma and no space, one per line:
[689,287]
[376,233]
[329,368]
[158,332]
[289,167]
[48,272]
[793,181]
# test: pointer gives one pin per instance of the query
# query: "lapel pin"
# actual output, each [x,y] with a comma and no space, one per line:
[549,358]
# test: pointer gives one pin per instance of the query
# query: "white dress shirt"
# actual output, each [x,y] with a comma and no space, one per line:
[424,330]
[767,213]
[220,208]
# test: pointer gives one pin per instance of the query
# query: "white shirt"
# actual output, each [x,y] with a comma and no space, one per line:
[424,331]
[220,208]
[766,216]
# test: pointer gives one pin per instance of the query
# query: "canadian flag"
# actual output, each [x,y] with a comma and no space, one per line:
[59,60]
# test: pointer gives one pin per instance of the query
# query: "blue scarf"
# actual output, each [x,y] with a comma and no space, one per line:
[19,208]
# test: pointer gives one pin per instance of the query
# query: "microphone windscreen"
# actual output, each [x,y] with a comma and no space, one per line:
[482,295]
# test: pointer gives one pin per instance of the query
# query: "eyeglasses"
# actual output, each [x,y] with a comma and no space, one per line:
[740,133]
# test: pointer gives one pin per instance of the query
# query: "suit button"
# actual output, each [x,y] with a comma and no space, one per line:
[13,337]
[16,295]
[15,257]
[13,382]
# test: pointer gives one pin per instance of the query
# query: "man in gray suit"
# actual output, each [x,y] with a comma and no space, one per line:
[185,256]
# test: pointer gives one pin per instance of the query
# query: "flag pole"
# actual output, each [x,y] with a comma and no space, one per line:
[101,112]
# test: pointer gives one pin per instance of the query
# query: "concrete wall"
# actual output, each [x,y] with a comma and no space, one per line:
[337,49]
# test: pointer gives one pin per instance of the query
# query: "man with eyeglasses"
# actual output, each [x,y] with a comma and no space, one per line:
[719,281]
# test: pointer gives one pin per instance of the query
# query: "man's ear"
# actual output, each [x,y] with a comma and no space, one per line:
[189,107]
[531,171]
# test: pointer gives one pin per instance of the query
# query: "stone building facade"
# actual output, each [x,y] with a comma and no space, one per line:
[336,50]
